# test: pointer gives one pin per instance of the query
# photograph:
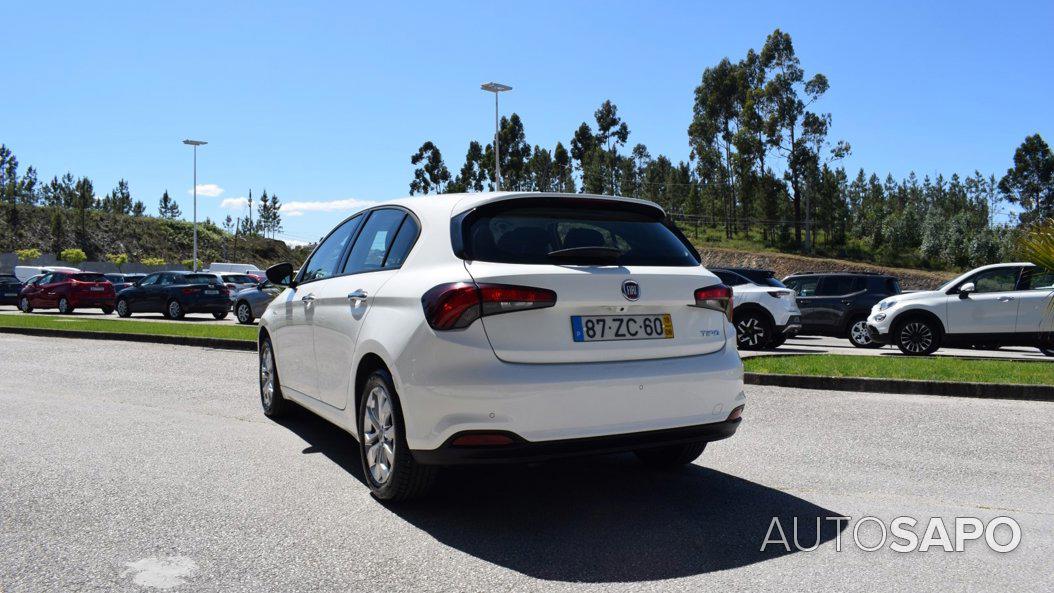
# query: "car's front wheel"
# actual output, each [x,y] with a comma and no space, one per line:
[390,469]
[64,306]
[752,331]
[859,336]
[219,316]
[24,305]
[106,310]
[1047,350]
[274,405]
[917,337]
[244,313]
[671,456]
[123,308]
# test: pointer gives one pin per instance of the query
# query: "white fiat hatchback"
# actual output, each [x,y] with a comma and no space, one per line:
[504,327]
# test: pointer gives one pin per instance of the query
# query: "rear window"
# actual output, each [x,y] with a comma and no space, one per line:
[200,279]
[238,279]
[115,277]
[586,232]
[6,278]
[90,278]
[731,278]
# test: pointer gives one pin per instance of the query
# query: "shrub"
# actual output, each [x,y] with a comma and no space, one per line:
[117,259]
[72,256]
[25,255]
[152,261]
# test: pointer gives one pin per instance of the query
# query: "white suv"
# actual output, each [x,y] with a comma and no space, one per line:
[765,314]
[997,305]
[501,327]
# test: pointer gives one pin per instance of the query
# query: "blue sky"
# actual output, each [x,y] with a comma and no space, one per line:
[323,103]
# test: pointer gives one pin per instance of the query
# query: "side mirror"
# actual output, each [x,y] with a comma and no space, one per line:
[281,274]
[966,289]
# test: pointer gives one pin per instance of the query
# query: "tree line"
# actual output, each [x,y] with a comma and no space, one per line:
[763,169]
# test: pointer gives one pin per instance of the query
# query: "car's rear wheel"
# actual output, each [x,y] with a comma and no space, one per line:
[123,308]
[274,405]
[752,331]
[390,469]
[106,310]
[64,306]
[859,336]
[917,337]
[244,313]
[24,305]
[671,456]
[174,310]
[777,341]
[219,316]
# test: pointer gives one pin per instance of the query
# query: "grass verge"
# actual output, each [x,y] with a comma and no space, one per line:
[957,370]
[114,326]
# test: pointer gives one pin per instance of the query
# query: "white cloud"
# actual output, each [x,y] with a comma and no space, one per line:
[207,189]
[234,203]
[296,242]
[299,208]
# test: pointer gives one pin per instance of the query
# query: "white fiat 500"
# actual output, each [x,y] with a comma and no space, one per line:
[504,327]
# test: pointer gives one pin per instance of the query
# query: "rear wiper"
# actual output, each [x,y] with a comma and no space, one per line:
[602,254]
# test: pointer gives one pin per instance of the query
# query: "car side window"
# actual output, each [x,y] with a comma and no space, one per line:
[806,287]
[995,280]
[373,242]
[151,279]
[45,279]
[836,285]
[1037,279]
[166,279]
[402,244]
[325,260]
[57,277]
[878,285]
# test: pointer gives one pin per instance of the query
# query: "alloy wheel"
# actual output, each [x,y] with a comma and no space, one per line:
[916,337]
[122,308]
[173,310]
[267,376]
[378,428]
[243,313]
[64,306]
[858,333]
[751,332]
[24,305]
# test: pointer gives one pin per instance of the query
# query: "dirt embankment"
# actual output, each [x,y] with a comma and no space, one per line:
[784,264]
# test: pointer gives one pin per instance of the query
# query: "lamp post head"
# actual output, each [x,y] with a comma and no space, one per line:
[495,87]
[195,142]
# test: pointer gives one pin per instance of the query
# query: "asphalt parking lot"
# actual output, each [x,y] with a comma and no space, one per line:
[136,467]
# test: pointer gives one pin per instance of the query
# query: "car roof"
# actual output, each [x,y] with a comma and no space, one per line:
[867,274]
[453,204]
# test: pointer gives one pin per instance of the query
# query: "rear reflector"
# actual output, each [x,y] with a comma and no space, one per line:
[481,440]
[456,305]
[737,413]
[717,297]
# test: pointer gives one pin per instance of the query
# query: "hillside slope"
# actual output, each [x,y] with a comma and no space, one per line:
[139,237]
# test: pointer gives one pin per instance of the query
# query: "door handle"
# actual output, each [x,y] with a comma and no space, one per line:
[1005,299]
[308,298]
[358,295]
[847,303]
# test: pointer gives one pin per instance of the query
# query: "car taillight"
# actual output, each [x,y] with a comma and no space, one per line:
[190,291]
[717,297]
[456,305]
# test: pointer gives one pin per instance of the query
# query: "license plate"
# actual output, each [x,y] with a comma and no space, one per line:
[212,292]
[96,289]
[606,328]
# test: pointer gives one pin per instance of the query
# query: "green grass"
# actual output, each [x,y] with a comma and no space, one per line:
[897,367]
[116,326]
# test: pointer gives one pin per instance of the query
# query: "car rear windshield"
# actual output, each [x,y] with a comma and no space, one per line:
[90,278]
[238,279]
[578,232]
[200,279]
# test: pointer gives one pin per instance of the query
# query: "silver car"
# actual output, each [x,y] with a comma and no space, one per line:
[250,303]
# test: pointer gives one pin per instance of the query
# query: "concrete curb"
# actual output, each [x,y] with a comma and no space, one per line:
[910,386]
[219,343]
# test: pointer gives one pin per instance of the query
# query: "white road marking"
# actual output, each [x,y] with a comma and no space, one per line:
[161,573]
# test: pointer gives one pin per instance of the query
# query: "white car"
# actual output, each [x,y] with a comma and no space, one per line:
[504,327]
[996,305]
[765,314]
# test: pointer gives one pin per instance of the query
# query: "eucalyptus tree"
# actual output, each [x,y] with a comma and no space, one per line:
[1030,182]
[431,174]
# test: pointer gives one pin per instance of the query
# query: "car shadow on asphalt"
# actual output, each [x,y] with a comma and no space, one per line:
[597,519]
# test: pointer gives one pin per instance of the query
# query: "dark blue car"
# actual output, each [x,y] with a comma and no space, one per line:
[175,294]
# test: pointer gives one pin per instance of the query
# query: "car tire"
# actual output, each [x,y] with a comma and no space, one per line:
[106,310]
[917,337]
[389,468]
[670,457]
[244,313]
[753,331]
[219,316]
[858,336]
[24,305]
[64,306]
[777,341]
[1047,350]
[174,310]
[123,308]
[274,405]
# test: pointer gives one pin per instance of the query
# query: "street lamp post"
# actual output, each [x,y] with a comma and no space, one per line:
[496,88]
[195,144]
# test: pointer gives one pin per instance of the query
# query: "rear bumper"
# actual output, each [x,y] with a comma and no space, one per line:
[523,451]
[83,301]
[209,306]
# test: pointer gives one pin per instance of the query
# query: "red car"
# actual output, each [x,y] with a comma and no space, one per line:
[67,291]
